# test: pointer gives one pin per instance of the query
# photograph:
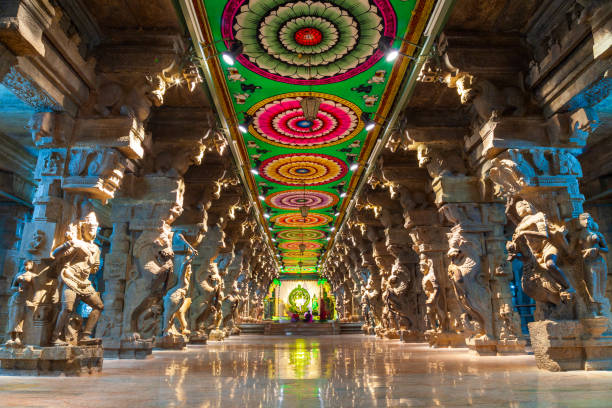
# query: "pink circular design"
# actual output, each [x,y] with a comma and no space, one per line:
[282,122]
[294,199]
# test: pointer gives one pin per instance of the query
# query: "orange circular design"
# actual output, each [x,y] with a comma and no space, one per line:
[305,261]
[295,245]
[296,220]
[298,254]
[298,169]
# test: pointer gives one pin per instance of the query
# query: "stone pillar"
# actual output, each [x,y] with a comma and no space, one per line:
[443,327]
[561,250]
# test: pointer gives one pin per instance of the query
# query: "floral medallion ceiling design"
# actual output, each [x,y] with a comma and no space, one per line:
[306,77]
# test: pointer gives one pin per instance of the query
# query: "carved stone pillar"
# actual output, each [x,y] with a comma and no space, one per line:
[443,327]
[561,250]
[480,275]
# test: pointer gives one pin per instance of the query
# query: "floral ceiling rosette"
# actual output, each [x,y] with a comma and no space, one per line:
[309,42]
[280,121]
[295,245]
[297,169]
[294,199]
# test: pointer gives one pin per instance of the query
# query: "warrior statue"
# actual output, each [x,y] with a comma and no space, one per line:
[176,302]
[78,258]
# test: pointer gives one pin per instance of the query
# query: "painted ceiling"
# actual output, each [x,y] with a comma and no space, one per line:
[293,50]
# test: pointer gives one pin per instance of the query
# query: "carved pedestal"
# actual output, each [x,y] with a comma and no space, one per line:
[566,345]
[172,342]
[198,338]
[68,360]
[444,339]
[134,348]
[216,335]
[410,336]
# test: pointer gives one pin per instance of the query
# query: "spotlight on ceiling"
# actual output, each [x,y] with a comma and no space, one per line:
[369,124]
[235,49]
[254,171]
[337,214]
[266,215]
[386,46]
[343,195]
[262,198]
[354,166]
[244,126]
[332,229]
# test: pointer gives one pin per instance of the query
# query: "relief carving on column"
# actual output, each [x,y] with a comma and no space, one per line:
[560,249]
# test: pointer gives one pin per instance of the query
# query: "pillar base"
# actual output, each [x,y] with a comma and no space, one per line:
[216,335]
[410,336]
[198,337]
[67,360]
[444,339]
[133,348]
[172,342]
[566,345]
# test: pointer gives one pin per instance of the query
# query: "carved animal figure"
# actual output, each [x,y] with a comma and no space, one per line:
[487,100]
[137,100]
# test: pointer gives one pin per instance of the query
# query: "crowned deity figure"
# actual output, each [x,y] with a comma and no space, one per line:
[77,258]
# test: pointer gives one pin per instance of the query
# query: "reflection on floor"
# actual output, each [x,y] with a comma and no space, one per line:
[328,371]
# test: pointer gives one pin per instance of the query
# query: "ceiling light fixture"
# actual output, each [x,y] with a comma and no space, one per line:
[244,126]
[304,210]
[235,49]
[266,215]
[386,45]
[369,124]
[343,195]
[337,214]
[254,171]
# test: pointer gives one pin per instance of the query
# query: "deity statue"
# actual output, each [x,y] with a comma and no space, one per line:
[176,302]
[77,258]
[592,244]
[434,314]
[543,238]
[23,288]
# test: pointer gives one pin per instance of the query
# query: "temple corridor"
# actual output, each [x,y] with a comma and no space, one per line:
[324,371]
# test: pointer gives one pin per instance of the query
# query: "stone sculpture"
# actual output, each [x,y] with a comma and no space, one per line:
[470,286]
[176,303]
[591,244]
[23,289]
[79,257]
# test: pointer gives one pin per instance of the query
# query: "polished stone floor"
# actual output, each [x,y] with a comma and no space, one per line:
[328,371]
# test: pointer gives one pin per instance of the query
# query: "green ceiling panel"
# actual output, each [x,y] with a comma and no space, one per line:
[325,55]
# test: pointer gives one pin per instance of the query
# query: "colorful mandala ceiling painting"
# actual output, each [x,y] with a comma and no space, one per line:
[298,169]
[296,261]
[308,42]
[294,199]
[297,220]
[297,269]
[299,255]
[305,76]
[299,235]
[280,121]
[295,245]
